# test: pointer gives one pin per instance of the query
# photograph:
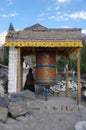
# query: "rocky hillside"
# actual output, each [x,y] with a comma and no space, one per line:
[2,38]
[84,40]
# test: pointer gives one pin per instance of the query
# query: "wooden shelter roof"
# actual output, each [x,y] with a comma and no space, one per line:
[64,40]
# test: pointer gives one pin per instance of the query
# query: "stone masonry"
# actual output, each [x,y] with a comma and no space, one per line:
[38,31]
[12,75]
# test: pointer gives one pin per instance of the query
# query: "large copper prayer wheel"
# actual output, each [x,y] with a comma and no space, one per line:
[45,68]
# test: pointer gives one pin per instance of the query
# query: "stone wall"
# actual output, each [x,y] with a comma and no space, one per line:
[12,73]
[62,33]
[58,33]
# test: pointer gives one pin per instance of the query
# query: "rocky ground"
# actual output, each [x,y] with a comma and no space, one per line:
[29,111]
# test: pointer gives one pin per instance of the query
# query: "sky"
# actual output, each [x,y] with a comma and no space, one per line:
[49,13]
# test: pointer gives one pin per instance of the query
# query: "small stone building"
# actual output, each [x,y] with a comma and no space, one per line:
[37,39]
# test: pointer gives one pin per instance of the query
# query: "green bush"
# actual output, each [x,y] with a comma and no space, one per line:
[83,68]
[60,64]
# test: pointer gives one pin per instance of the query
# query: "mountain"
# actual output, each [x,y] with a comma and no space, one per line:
[84,40]
[83,34]
[2,38]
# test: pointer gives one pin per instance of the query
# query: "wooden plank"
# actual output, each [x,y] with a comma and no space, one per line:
[22,72]
[19,71]
[66,76]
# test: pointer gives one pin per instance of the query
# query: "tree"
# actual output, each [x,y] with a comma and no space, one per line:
[60,64]
[83,60]
[6,55]
[6,49]
[72,63]
[11,27]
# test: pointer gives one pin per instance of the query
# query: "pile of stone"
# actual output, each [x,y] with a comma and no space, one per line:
[83,82]
[3,86]
[61,87]
[15,105]
[3,79]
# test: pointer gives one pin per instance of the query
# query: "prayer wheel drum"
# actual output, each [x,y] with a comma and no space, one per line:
[45,68]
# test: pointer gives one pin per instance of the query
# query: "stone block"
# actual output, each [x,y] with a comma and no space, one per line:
[28,94]
[3,101]
[18,107]
[81,125]
[3,114]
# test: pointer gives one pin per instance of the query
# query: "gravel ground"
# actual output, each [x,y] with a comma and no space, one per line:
[50,114]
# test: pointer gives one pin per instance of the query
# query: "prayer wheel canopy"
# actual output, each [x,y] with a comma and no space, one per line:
[39,39]
[64,41]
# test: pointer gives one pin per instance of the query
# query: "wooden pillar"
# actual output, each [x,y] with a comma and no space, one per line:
[66,76]
[78,77]
[19,71]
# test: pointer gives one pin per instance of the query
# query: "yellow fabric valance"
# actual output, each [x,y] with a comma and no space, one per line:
[59,43]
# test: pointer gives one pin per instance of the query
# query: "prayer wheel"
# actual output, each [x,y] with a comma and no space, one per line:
[45,68]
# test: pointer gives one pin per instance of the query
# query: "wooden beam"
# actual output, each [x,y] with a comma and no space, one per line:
[78,76]
[19,71]
[66,76]
[72,51]
[22,73]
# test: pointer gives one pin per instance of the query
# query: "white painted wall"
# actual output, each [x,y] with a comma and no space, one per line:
[12,72]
